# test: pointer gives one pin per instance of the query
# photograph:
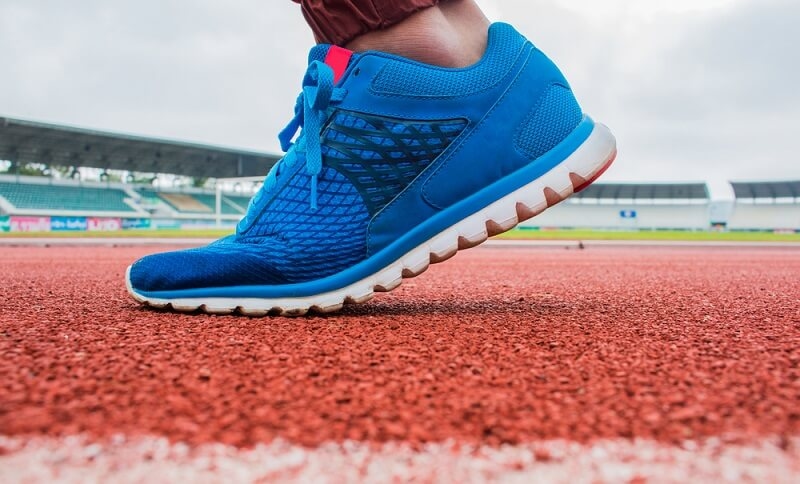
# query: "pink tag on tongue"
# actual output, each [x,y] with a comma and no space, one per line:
[337,59]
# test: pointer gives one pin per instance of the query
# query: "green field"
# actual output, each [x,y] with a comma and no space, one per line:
[517,234]
[664,235]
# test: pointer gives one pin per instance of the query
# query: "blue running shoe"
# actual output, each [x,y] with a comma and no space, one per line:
[398,165]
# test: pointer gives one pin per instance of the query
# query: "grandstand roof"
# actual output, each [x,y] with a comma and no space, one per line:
[650,191]
[782,189]
[33,142]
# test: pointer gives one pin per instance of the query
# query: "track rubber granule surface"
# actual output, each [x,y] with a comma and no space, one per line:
[500,346]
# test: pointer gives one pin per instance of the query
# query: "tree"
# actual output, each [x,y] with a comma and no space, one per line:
[32,169]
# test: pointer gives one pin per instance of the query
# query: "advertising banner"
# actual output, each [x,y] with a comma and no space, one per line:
[97,224]
[5,223]
[135,223]
[29,224]
[68,224]
[166,224]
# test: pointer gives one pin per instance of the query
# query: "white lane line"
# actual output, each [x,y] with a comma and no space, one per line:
[143,459]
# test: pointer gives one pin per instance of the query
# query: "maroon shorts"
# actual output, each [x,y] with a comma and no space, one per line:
[340,21]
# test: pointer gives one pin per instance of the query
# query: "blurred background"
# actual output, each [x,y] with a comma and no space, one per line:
[698,92]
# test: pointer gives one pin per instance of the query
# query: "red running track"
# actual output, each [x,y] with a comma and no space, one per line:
[495,346]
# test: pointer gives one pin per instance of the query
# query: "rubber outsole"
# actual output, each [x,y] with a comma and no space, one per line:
[572,175]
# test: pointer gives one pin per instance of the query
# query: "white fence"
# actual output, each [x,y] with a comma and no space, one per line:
[765,216]
[622,216]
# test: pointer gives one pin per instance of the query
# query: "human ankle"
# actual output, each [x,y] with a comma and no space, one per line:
[450,34]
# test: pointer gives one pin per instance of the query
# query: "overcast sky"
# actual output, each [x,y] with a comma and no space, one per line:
[693,89]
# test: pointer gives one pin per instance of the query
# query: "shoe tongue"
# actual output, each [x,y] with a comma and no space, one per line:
[336,57]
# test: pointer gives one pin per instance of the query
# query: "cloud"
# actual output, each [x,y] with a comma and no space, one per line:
[210,71]
[693,90]
[722,99]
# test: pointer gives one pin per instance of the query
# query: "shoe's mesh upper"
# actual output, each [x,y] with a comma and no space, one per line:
[305,243]
[318,53]
[555,117]
[382,156]
[223,263]
[288,243]
[407,79]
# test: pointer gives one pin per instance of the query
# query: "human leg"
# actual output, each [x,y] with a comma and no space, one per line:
[450,33]
[340,21]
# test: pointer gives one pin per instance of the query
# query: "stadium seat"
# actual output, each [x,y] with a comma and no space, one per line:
[57,197]
[199,203]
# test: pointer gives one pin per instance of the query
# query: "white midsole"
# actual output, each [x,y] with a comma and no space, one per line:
[497,217]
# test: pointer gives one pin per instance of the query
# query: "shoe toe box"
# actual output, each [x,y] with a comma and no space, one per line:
[216,265]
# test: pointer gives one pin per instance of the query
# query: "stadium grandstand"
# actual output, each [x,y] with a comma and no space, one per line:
[24,141]
[631,206]
[766,206]
[68,202]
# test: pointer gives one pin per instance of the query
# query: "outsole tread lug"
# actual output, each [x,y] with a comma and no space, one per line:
[525,212]
[253,313]
[359,299]
[465,243]
[552,197]
[390,286]
[217,311]
[331,308]
[494,227]
[577,181]
[409,273]
[294,312]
